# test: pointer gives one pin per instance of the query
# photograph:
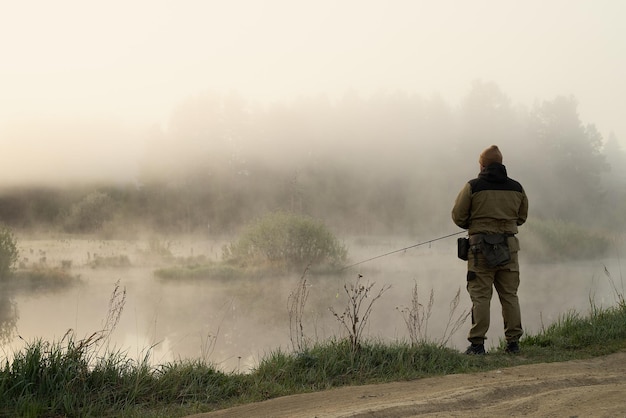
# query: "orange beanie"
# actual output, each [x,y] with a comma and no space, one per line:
[489,156]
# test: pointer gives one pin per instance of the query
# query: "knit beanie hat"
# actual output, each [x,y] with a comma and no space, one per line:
[489,156]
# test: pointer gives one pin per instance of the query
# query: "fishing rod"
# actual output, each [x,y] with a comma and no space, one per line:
[404,249]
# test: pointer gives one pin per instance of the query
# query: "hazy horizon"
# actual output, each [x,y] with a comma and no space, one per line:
[83,83]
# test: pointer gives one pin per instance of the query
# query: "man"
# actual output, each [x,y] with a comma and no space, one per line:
[491,207]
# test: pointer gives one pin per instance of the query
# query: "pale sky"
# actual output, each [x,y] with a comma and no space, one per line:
[131,62]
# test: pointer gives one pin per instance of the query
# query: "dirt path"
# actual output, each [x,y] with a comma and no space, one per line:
[582,388]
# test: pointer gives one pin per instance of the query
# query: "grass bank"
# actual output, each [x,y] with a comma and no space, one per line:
[81,377]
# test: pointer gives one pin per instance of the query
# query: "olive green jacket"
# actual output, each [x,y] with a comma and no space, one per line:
[491,203]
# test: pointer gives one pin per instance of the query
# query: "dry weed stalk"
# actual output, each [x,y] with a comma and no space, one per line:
[207,345]
[296,302]
[97,339]
[416,318]
[116,306]
[353,321]
[454,324]
[619,295]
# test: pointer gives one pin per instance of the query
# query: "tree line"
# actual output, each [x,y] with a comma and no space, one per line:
[390,163]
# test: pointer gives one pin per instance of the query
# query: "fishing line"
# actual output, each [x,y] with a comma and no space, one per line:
[404,249]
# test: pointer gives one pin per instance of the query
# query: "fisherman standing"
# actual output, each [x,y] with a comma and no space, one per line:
[491,207]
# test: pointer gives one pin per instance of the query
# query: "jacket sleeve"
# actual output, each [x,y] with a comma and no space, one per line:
[462,206]
[523,209]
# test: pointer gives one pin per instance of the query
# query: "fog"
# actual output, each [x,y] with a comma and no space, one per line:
[192,118]
[82,83]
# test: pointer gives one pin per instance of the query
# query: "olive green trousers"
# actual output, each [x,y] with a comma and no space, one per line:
[481,280]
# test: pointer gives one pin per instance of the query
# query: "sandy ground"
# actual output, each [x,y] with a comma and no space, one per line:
[582,388]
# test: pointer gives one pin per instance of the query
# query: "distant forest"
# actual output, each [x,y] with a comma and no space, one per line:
[389,164]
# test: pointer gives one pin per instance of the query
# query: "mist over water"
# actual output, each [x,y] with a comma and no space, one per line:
[235,323]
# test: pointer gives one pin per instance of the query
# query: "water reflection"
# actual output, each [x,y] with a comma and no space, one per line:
[8,316]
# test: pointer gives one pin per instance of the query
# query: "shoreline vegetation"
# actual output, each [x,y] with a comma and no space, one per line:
[84,377]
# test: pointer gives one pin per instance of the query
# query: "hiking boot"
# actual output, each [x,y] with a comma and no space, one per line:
[478,349]
[512,347]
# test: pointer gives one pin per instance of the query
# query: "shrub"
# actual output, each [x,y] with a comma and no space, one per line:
[556,240]
[115,261]
[286,239]
[43,279]
[90,214]
[8,252]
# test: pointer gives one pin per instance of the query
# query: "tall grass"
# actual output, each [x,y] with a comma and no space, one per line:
[574,331]
[67,378]
[75,377]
